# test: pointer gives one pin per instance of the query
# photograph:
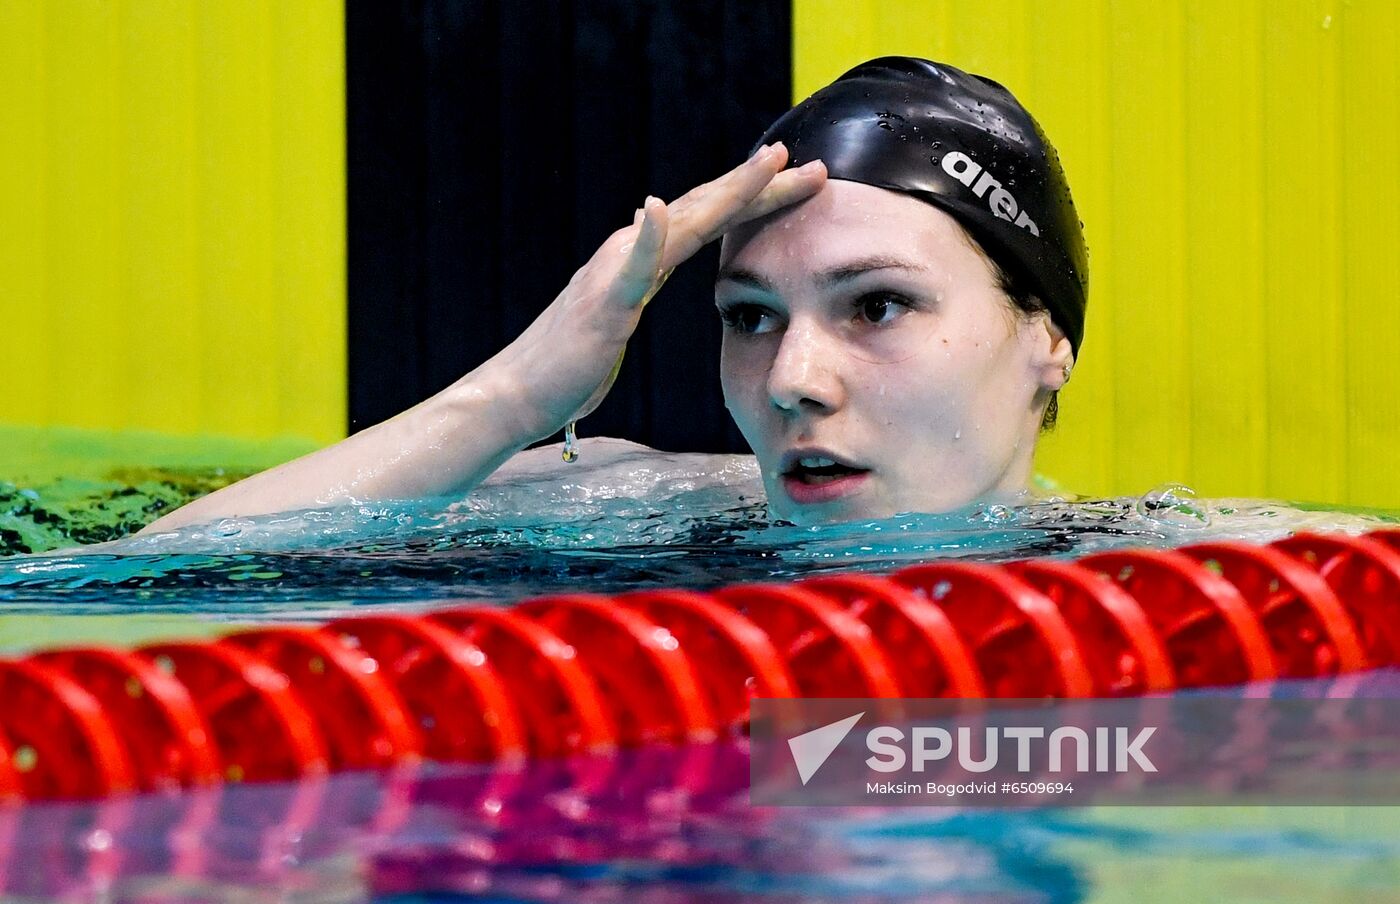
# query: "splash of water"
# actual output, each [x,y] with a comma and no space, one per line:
[628,517]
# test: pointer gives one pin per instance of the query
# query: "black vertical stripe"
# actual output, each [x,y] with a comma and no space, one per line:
[493,145]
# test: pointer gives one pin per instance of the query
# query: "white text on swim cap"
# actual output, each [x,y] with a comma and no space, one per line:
[1001,202]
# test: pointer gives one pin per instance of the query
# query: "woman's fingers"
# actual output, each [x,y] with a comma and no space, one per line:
[788,187]
[758,187]
[663,236]
[638,279]
[699,216]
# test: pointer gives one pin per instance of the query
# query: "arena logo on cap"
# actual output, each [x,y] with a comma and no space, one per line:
[1001,202]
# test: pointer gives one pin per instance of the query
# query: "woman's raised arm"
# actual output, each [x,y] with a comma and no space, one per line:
[559,369]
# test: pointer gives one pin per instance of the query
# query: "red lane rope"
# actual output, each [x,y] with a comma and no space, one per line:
[1309,631]
[645,676]
[153,714]
[364,722]
[453,695]
[557,698]
[1364,572]
[583,674]
[923,649]
[1124,655]
[1211,634]
[1021,643]
[61,743]
[734,659]
[830,652]
[260,729]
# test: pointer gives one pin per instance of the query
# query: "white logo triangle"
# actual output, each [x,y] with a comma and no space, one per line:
[810,749]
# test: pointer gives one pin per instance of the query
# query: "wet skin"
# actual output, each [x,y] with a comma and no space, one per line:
[873,363]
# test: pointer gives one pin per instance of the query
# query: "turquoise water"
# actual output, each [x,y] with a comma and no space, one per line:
[659,825]
[624,520]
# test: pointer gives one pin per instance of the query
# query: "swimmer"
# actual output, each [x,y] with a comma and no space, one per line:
[902,288]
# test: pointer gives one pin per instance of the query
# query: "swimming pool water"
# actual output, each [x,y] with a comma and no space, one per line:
[653,825]
[621,521]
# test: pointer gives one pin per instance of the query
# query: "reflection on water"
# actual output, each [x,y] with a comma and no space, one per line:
[616,519]
[671,824]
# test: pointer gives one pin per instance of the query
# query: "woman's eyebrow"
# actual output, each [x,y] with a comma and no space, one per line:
[831,276]
[746,278]
[852,269]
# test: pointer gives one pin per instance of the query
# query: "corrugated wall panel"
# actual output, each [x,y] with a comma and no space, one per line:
[172,185]
[308,125]
[1088,146]
[82,240]
[1145,246]
[162,219]
[1236,165]
[1224,264]
[1368,38]
[26,365]
[1308,406]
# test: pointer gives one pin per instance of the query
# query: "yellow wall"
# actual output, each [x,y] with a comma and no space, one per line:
[172,221]
[1236,164]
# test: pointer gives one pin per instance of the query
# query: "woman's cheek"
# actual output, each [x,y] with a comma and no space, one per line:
[923,404]
[744,400]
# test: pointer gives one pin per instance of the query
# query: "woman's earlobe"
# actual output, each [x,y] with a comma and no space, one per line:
[1058,362]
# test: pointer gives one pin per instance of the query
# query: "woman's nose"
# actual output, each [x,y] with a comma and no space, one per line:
[804,372]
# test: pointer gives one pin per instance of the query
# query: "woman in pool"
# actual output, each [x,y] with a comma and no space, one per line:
[902,285]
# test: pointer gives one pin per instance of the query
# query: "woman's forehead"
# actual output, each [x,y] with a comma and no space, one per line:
[850,222]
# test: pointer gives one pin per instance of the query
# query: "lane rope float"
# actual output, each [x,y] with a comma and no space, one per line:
[584,674]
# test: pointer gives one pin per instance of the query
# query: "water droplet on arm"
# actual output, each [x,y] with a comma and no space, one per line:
[571,441]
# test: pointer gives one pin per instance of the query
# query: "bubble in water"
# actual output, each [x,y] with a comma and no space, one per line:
[1175,504]
[998,514]
[230,527]
[571,441]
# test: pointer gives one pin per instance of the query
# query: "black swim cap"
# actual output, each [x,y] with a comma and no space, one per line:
[962,143]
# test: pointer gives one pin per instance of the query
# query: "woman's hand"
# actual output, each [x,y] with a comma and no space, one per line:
[563,365]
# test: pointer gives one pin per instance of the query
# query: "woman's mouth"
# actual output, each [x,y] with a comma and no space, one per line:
[812,479]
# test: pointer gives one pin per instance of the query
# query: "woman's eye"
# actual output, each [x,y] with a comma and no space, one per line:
[747,318]
[880,307]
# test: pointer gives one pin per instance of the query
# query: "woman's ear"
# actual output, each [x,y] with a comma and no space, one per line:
[1052,354]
